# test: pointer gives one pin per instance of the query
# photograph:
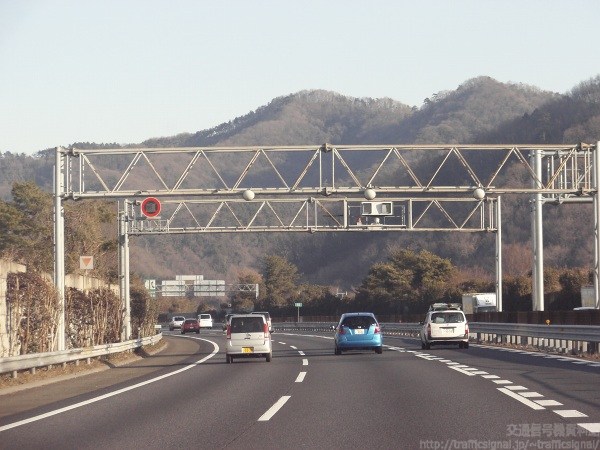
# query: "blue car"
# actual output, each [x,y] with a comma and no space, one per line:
[358,331]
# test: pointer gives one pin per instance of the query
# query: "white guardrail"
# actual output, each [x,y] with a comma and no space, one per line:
[15,364]
[560,338]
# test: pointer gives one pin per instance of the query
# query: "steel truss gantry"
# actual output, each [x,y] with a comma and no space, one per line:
[321,187]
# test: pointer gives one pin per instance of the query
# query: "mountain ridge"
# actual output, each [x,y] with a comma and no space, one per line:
[480,111]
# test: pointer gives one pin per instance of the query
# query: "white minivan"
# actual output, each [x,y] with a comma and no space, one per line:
[248,337]
[205,321]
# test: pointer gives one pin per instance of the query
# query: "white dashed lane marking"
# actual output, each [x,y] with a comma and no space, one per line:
[273,409]
[569,413]
[300,377]
[591,427]
[530,394]
[459,369]
[548,402]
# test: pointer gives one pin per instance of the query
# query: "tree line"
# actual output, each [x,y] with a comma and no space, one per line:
[404,285]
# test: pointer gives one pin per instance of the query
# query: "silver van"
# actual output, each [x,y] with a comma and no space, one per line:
[248,337]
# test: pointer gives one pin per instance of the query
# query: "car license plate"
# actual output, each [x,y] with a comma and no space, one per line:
[448,330]
[359,331]
[247,349]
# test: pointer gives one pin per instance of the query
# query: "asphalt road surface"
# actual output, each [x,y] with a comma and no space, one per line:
[186,396]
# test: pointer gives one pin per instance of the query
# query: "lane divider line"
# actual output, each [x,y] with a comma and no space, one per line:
[569,413]
[458,369]
[273,409]
[300,377]
[548,403]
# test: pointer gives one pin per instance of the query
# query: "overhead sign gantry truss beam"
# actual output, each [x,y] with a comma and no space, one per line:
[315,215]
[329,170]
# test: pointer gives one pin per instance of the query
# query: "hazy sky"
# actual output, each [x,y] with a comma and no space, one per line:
[127,70]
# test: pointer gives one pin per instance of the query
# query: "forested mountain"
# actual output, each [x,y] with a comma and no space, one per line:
[481,110]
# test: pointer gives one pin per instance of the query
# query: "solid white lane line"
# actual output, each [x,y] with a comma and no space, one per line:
[111,394]
[523,400]
[305,362]
[300,377]
[569,413]
[273,409]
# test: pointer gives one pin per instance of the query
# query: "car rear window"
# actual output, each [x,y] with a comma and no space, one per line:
[247,324]
[191,321]
[205,316]
[358,322]
[443,317]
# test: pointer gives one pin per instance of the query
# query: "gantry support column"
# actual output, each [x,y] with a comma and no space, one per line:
[537,235]
[59,246]
[596,195]
[124,271]
[498,254]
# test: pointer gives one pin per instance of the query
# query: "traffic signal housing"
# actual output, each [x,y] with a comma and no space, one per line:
[150,207]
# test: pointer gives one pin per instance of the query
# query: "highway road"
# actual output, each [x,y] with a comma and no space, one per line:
[406,398]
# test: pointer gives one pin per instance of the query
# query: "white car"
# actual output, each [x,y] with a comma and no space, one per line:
[176,322]
[205,320]
[444,325]
[248,337]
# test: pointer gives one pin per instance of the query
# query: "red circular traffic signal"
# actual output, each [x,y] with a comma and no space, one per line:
[151,207]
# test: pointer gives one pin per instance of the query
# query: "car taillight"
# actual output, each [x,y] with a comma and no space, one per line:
[228,331]
[377,329]
[266,330]
[341,330]
[466,330]
[429,330]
